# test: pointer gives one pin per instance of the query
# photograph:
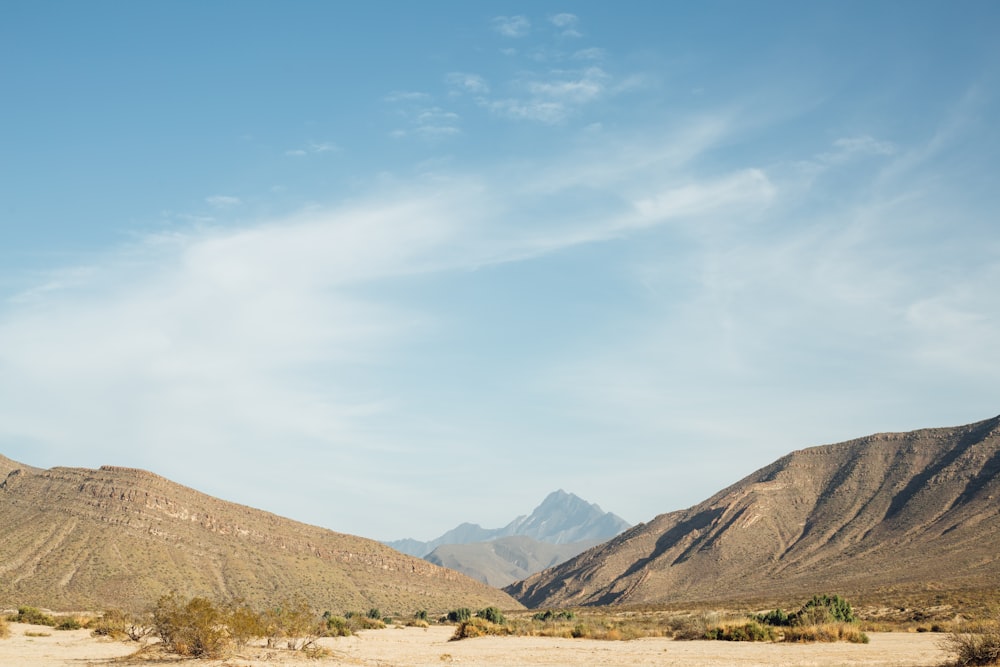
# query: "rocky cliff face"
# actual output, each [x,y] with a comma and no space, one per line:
[900,509]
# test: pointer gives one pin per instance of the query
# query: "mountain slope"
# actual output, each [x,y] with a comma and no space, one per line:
[79,538]
[503,561]
[901,509]
[560,519]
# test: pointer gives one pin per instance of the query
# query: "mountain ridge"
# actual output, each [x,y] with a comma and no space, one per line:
[561,518]
[889,509]
[115,536]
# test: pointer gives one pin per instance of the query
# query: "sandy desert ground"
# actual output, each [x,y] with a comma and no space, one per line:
[414,647]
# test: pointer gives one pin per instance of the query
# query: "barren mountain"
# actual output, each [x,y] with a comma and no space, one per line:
[902,510]
[505,560]
[91,539]
[560,519]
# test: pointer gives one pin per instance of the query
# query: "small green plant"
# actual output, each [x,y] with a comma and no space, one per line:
[775,617]
[421,615]
[825,609]
[374,614]
[33,616]
[459,615]
[69,623]
[336,626]
[548,615]
[820,610]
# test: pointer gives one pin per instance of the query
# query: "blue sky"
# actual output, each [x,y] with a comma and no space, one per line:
[387,267]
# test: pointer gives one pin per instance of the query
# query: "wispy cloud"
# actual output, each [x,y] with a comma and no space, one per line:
[223,201]
[555,97]
[468,83]
[567,23]
[314,147]
[512,26]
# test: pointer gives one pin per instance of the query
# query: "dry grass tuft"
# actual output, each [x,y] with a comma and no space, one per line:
[979,646]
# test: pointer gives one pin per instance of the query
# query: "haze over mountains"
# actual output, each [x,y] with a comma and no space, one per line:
[75,538]
[562,526]
[913,510]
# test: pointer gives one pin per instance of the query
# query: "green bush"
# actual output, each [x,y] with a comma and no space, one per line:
[459,615]
[825,609]
[374,614]
[337,626]
[820,610]
[421,615]
[775,617]
[69,623]
[33,616]
[491,614]
[549,615]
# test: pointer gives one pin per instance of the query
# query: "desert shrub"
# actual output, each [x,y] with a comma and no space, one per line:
[687,627]
[421,615]
[356,621]
[479,627]
[244,622]
[974,648]
[337,626]
[548,615]
[33,616]
[751,631]
[459,615]
[120,625]
[294,622]
[827,632]
[69,623]
[374,614]
[4,628]
[824,609]
[192,628]
[491,614]
[775,617]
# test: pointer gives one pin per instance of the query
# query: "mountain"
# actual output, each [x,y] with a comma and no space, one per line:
[902,510]
[75,538]
[503,561]
[560,519]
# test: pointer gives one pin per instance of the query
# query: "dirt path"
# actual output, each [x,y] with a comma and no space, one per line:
[412,647]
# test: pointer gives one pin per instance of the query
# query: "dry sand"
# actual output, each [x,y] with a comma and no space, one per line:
[414,647]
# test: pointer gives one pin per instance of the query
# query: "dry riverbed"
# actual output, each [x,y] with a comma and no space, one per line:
[415,647]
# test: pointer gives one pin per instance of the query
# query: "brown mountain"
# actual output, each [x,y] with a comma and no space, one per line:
[903,510]
[92,539]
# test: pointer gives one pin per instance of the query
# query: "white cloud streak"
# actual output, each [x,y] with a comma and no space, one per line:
[512,26]
[287,342]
